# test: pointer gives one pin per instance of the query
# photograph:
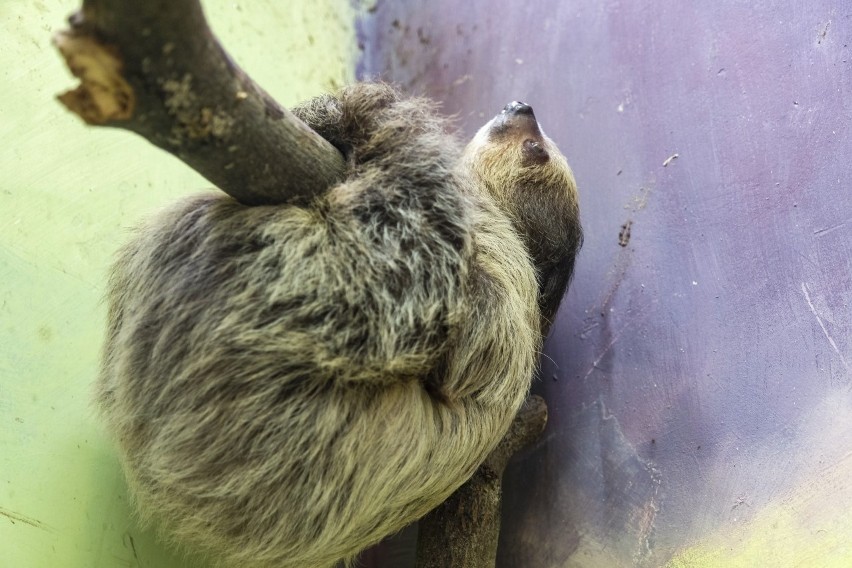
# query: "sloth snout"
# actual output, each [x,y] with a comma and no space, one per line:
[517,107]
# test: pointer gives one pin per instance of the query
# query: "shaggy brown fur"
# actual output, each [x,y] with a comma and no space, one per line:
[288,385]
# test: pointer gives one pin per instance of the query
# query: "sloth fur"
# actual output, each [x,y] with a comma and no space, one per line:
[287,385]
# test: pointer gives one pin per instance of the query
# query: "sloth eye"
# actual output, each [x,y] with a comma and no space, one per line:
[534,152]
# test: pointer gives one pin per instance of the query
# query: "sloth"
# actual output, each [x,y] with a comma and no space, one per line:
[287,384]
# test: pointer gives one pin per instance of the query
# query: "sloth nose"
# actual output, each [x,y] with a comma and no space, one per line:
[517,107]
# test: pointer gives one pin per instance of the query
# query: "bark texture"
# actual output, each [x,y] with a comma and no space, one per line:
[463,531]
[154,67]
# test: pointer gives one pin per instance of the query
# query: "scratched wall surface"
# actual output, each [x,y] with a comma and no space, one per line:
[67,197]
[698,377]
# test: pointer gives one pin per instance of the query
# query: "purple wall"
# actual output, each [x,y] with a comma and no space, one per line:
[704,370]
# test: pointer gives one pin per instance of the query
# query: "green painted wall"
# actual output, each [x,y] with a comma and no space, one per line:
[68,195]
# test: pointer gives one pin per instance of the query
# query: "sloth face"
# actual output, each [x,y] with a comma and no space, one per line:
[528,178]
[515,160]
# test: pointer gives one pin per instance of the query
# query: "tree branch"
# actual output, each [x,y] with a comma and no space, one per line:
[463,531]
[154,67]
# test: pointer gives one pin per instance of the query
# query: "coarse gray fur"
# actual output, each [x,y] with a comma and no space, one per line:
[287,385]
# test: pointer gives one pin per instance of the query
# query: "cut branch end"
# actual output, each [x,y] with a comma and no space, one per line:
[103,94]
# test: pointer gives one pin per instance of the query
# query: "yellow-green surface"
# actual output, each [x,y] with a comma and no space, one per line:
[68,194]
[811,527]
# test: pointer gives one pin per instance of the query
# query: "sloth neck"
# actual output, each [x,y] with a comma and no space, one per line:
[550,229]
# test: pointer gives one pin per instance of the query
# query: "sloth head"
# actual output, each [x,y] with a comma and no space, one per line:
[529,179]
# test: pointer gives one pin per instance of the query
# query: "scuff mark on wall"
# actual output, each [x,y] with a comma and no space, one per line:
[15,518]
[822,326]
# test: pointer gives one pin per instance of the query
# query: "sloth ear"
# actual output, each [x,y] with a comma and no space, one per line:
[534,153]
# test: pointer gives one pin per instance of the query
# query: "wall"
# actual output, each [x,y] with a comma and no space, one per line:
[698,377]
[68,196]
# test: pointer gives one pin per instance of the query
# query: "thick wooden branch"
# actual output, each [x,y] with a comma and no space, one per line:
[155,68]
[463,531]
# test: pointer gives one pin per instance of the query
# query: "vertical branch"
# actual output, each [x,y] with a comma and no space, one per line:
[463,531]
